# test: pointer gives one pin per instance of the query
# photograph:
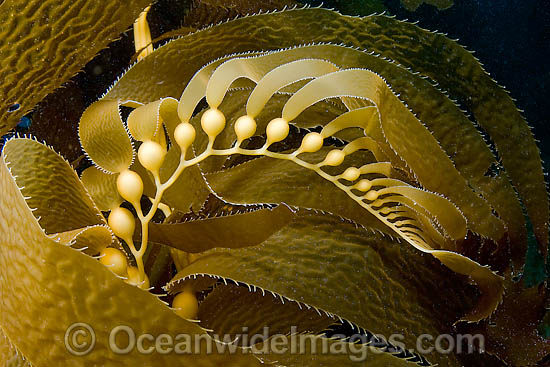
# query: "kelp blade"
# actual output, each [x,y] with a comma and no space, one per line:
[46,42]
[44,280]
[405,43]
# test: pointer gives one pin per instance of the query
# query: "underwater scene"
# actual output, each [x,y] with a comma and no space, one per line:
[274,183]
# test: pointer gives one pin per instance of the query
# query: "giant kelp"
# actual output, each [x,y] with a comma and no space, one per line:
[318,174]
[40,46]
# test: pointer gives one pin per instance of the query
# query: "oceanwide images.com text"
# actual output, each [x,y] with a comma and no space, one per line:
[81,340]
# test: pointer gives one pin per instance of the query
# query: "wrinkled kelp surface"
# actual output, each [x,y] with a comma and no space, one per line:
[40,47]
[362,198]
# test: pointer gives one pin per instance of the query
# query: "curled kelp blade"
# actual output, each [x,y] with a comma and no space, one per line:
[102,188]
[374,33]
[75,288]
[50,186]
[91,240]
[146,123]
[104,138]
[336,267]
[66,44]
[237,230]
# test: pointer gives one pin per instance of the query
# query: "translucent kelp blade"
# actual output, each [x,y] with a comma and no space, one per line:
[445,212]
[407,136]
[145,122]
[75,288]
[214,79]
[234,106]
[232,231]
[282,76]
[46,42]
[91,240]
[169,115]
[368,119]
[102,188]
[281,73]
[309,191]
[373,33]
[345,271]
[361,117]
[50,186]
[104,138]
[366,143]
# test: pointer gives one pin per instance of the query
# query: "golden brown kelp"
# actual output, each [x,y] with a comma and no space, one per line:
[309,186]
[214,11]
[41,46]
[73,287]
[209,12]
[271,71]
[28,255]
[415,48]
